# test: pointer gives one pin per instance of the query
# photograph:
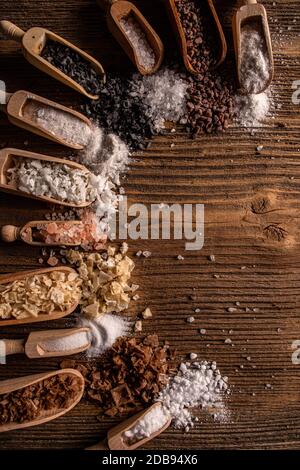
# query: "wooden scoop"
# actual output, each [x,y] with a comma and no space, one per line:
[34,40]
[116,10]
[34,347]
[6,278]
[182,40]
[11,385]
[7,157]
[15,108]
[251,12]
[115,436]
[11,233]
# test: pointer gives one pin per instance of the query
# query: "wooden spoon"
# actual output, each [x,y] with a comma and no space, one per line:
[251,12]
[15,108]
[7,157]
[33,42]
[116,10]
[182,40]
[11,385]
[11,233]
[115,436]
[6,278]
[35,346]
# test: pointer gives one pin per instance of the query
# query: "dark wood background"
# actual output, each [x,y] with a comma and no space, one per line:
[252,227]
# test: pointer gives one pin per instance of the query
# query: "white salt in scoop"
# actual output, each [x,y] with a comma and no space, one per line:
[49,343]
[46,118]
[136,431]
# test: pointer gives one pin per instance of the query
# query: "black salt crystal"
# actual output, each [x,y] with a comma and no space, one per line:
[73,65]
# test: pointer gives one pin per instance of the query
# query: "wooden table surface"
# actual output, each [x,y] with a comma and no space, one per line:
[252,203]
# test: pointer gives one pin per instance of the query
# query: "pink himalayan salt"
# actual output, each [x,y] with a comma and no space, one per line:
[85,233]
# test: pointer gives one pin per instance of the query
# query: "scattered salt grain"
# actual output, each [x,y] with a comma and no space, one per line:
[147,313]
[138,326]
[190,319]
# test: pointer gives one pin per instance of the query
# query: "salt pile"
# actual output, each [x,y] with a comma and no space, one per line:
[252,110]
[196,385]
[104,331]
[163,96]
[136,108]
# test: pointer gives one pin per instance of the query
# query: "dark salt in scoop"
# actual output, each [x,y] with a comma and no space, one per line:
[73,65]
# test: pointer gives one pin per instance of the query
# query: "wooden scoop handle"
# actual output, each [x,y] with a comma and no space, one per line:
[13,346]
[11,31]
[9,233]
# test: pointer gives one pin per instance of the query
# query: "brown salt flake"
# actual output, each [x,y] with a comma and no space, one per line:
[121,395]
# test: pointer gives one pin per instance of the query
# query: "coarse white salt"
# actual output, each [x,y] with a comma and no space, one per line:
[150,423]
[196,385]
[107,156]
[163,96]
[255,65]
[67,343]
[143,50]
[57,122]
[54,180]
[104,331]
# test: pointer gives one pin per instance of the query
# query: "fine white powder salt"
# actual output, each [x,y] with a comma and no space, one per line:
[255,64]
[67,343]
[104,331]
[152,422]
[143,50]
[107,157]
[196,385]
[163,96]
[61,124]
[253,110]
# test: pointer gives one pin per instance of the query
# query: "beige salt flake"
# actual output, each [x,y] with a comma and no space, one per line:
[105,280]
[39,294]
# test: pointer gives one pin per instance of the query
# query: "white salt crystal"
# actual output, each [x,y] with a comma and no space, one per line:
[152,422]
[143,50]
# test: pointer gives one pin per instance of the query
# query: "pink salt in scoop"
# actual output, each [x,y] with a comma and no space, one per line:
[82,232]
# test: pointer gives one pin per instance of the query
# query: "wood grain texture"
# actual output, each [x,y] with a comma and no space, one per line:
[252,227]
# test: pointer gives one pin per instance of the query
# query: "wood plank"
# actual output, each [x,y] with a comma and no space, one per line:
[252,227]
